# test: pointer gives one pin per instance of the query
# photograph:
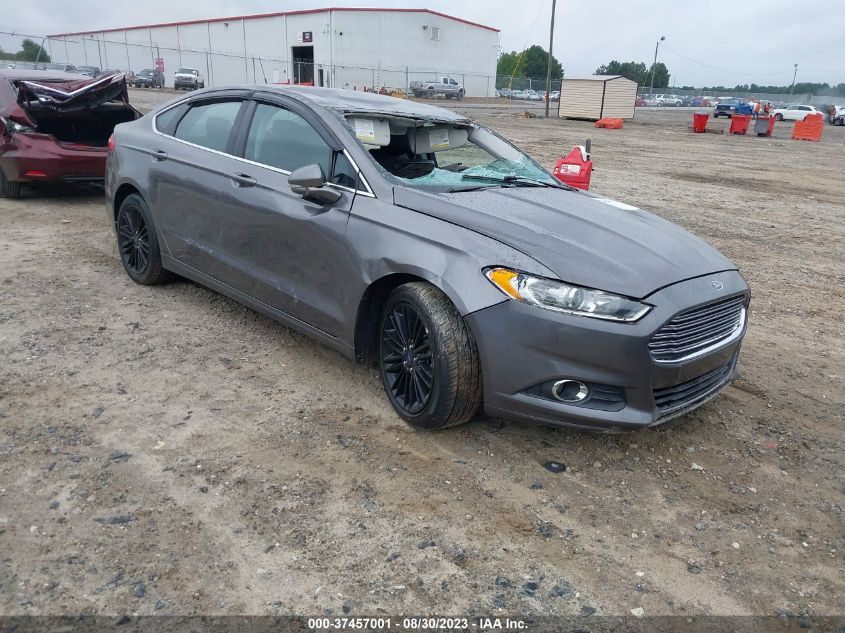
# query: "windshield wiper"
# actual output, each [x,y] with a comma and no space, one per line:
[475,188]
[512,180]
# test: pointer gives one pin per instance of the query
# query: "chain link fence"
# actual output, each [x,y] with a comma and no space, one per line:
[132,52]
[777,98]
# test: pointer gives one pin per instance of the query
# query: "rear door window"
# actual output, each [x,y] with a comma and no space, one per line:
[209,124]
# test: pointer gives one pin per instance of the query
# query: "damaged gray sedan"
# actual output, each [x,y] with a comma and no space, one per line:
[406,235]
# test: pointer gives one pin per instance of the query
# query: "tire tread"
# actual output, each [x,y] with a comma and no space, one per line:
[461,396]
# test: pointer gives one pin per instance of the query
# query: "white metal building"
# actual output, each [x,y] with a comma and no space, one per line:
[597,96]
[337,47]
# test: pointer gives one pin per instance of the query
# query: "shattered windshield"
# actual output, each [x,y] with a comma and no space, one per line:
[444,156]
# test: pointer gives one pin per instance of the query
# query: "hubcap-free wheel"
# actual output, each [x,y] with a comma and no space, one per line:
[406,358]
[138,244]
[133,239]
[428,359]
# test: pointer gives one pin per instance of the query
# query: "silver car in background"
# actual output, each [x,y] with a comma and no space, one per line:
[408,236]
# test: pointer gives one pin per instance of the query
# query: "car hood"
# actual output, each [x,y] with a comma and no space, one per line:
[583,238]
[67,96]
[183,75]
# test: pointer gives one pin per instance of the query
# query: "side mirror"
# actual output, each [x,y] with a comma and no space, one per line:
[309,182]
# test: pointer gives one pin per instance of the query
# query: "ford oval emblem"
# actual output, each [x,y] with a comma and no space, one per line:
[716,284]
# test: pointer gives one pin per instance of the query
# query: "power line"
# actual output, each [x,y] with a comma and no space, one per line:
[722,70]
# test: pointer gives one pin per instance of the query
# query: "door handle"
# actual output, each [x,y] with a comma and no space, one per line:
[244,180]
[159,154]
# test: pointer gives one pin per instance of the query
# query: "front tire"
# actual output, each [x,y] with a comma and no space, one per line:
[9,188]
[778,117]
[428,359]
[138,243]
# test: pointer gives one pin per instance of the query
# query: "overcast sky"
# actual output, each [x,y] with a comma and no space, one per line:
[756,41]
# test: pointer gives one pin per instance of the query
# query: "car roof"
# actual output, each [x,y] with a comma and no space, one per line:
[364,102]
[30,74]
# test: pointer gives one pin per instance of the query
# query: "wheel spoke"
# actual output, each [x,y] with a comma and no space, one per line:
[395,321]
[408,381]
[391,338]
[425,376]
[393,363]
[406,359]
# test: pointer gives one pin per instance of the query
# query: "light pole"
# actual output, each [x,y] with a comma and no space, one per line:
[654,65]
[794,75]
[549,66]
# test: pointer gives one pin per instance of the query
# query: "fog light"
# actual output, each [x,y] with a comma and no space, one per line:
[570,390]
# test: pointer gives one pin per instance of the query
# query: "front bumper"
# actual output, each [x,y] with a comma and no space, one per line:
[522,346]
[185,83]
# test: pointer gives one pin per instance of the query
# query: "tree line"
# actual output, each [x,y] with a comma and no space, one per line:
[30,51]
[532,63]
[638,71]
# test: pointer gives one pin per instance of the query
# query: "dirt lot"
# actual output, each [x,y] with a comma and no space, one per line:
[165,450]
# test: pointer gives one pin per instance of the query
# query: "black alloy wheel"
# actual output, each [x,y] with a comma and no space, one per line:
[133,239]
[407,358]
[428,359]
[138,243]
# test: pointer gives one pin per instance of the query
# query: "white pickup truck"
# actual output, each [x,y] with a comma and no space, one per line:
[445,86]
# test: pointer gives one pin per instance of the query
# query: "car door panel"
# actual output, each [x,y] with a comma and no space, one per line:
[274,245]
[285,251]
[186,177]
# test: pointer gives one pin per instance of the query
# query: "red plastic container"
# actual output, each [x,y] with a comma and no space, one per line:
[575,168]
[739,123]
[699,122]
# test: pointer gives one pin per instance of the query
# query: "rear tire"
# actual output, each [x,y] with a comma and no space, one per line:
[428,359]
[9,188]
[137,243]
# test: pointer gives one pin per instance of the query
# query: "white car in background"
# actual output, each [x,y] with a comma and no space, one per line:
[794,112]
[669,100]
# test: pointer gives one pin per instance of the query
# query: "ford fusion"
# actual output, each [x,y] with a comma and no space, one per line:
[405,235]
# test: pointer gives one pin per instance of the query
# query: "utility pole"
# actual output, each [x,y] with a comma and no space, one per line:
[794,75]
[551,59]
[654,65]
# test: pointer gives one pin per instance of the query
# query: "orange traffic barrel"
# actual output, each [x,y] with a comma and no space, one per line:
[699,122]
[739,123]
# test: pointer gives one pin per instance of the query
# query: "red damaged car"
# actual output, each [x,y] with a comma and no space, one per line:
[55,126]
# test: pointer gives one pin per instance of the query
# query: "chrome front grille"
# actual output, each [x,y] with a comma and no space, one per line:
[698,331]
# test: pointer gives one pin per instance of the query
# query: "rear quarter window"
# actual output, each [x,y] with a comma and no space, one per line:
[209,125]
[167,121]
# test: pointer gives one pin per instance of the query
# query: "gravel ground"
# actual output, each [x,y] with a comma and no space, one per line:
[165,450]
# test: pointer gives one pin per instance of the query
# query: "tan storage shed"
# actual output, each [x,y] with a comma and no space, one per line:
[597,96]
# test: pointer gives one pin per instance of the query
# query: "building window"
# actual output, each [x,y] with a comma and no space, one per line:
[435,33]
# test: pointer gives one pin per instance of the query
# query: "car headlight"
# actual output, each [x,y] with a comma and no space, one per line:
[563,297]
